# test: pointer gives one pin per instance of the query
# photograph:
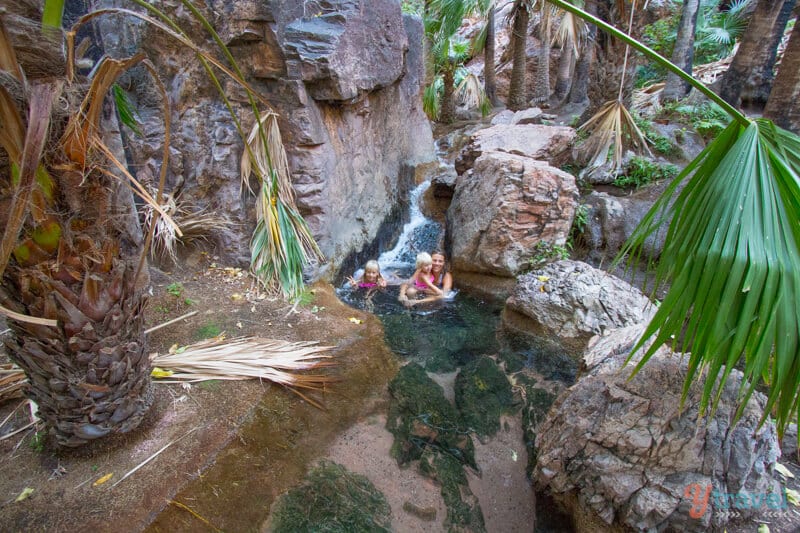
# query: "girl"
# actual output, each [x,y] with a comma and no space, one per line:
[371,278]
[422,282]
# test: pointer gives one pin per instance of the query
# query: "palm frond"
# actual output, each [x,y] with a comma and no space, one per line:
[571,31]
[731,254]
[248,358]
[431,98]
[612,130]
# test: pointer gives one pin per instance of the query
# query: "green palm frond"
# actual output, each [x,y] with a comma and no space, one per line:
[431,98]
[731,254]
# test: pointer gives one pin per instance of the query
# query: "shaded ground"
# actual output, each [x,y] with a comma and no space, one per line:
[203,424]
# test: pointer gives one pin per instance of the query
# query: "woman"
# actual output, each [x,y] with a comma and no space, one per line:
[441,279]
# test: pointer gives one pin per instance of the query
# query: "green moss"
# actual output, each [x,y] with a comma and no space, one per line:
[332,499]
[463,510]
[537,403]
[420,417]
[483,393]
[207,331]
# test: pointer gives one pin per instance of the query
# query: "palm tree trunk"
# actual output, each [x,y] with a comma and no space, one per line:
[783,106]
[676,88]
[517,91]
[489,82]
[579,93]
[448,113]
[541,87]
[564,78]
[752,70]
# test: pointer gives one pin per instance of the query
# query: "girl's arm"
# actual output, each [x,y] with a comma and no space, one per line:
[427,281]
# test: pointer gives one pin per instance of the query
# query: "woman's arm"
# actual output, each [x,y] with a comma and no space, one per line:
[447,282]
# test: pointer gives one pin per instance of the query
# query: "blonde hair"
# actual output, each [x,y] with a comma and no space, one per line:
[424,259]
[372,265]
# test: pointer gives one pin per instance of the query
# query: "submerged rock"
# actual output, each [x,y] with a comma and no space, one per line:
[483,394]
[331,499]
[621,453]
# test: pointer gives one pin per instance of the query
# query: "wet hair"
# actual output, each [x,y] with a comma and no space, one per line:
[423,259]
[372,265]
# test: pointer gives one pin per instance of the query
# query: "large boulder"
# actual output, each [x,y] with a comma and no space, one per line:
[621,453]
[503,207]
[543,143]
[569,302]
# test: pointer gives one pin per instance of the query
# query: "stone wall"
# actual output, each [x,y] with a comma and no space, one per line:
[344,77]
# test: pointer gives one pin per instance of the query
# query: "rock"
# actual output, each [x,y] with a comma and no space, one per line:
[621,452]
[352,123]
[503,117]
[326,50]
[538,142]
[569,302]
[443,183]
[532,115]
[503,207]
[611,220]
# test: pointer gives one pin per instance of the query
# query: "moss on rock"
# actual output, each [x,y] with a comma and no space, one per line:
[332,499]
[463,510]
[420,417]
[483,393]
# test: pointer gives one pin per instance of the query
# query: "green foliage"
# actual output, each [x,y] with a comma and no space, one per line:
[175,289]
[37,441]
[125,108]
[209,384]
[304,297]
[546,252]
[661,144]
[708,119]
[579,223]
[641,171]
[718,29]
[413,7]
[207,331]
[731,254]
[332,499]
[660,36]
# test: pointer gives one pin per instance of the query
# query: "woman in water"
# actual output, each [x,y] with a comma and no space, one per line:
[439,281]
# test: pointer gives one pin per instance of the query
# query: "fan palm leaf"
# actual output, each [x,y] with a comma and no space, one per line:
[612,129]
[731,255]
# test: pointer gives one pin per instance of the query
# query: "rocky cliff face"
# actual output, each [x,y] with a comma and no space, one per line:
[345,78]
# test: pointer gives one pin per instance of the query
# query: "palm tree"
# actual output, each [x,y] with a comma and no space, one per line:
[517,90]
[676,87]
[570,35]
[731,254]
[783,105]
[579,91]
[751,71]
[67,257]
[489,79]
[541,85]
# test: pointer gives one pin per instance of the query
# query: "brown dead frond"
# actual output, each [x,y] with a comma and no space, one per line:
[12,381]
[195,224]
[248,358]
[612,130]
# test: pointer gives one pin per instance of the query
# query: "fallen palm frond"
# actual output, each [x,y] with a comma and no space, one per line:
[248,358]
[153,456]
[470,93]
[33,419]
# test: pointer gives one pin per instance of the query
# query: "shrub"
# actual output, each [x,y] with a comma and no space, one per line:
[641,171]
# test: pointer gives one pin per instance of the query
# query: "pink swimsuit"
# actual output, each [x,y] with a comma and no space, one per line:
[420,285]
[365,285]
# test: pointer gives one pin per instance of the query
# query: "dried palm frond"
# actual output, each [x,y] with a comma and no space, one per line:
[12,380]
[611,127]
[194,224]
[470,92]
[647,100]
[248,358]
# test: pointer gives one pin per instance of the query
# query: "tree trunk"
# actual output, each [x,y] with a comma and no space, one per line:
[541,88]
[675,87]
[489,82]
[90,374]
[448,113]
[564,78]
[517,92]
[783,106]
[752,70]
[579,93]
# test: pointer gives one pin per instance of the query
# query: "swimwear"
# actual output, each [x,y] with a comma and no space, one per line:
[421,285]
[365,285]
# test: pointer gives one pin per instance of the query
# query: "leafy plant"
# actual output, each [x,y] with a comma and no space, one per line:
[731,254]
[546,252]
[175,289]
[207,331]
[642,171]
[708,119]
[37,441]
[661,144]
[579,223]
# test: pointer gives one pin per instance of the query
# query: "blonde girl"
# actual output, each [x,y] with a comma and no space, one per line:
[422,282]
[371,278]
